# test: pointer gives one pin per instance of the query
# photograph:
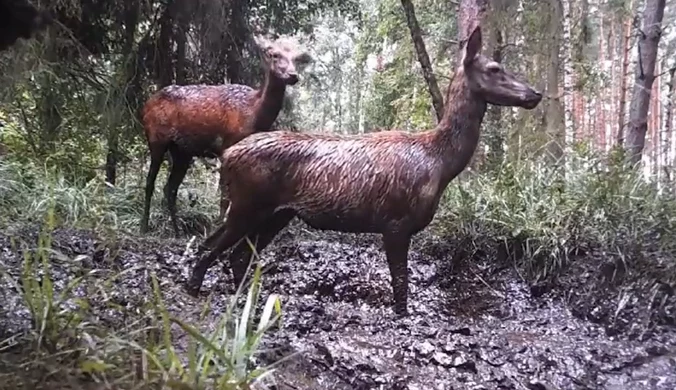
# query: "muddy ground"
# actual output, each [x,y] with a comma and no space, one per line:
[474,324]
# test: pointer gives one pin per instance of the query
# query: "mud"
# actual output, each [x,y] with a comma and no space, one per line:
[475,323]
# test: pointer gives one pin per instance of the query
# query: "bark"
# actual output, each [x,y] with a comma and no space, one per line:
[131,16]
[238,34]
[600,128]
[555,125]
[649,38]
[423,58]
[669,121]
[655,121]
[568,73]
[612,50]
[580,41]
[180,36]
[164,68]
[470,15]
[626,36]
[495,138]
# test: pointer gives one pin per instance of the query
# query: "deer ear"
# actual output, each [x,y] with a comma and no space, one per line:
[473,46]
[304,58]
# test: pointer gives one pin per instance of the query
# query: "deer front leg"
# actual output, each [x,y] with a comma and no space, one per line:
[396,250]
[225,202]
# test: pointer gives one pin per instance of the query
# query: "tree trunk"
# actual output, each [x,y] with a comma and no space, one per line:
[425,64]
[131,16]
[600,129]
[554,118]
[180,36]
[649,39]
[626,36]
[568,73]
[669,121]
[239,32]
[612,50]
[470,14]
[164,68]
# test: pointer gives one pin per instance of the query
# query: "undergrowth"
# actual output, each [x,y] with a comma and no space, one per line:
[81,338]
[27,190]
[543,219]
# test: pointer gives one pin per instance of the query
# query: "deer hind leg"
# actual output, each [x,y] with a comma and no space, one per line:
[396,250]
[240,221]
[179,168]
[261,237]
[156,158]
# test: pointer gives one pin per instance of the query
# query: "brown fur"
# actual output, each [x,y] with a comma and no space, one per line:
[203,120]
[388,182]
[20,19]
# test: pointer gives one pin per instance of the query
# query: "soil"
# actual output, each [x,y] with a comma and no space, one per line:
[474,322]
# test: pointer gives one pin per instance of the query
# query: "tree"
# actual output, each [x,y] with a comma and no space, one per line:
[648,41]
[421,51]
[470,14]
[554,117]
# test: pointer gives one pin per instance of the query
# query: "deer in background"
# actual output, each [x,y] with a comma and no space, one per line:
[388,182]
[203,120]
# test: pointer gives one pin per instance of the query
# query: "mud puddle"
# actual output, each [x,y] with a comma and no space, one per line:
[473,324]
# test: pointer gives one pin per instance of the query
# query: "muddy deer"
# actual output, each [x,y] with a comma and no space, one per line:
[203,120]
[387,182]
[20,19]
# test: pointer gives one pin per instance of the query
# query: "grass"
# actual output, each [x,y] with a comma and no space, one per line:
[72,343]
[27,191]
[544,222]
[595,235]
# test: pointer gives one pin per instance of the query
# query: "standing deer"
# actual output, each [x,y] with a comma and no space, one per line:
[388,182]
[203,120]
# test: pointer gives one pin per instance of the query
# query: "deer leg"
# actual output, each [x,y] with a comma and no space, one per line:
[239,223]
[396,250]
[261,237]
[178,170]
[156,157]
[224,197]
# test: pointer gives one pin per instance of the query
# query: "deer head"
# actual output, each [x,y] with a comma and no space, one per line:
[491,80]
[284,58]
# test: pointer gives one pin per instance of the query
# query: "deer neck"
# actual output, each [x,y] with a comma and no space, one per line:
[269,103]
[457,135]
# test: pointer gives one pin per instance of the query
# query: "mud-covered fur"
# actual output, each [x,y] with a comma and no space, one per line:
[20,19]
[203,120]
[388,182]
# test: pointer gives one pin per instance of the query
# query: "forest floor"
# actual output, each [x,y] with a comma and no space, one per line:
[475,323]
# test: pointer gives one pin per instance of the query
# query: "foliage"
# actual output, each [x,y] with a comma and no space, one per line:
[598,205]
[70,343]
[29,192]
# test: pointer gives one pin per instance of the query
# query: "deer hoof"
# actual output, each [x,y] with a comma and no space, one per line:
[400,310]
[192,289]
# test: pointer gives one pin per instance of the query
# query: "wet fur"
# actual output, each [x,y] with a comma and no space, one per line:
[203,120]
[388,182]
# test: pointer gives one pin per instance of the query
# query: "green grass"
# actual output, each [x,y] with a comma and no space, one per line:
[71,345]
[27,191]
[598,206]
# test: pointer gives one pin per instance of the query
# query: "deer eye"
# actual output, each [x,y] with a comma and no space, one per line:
[276,55]
[494,69]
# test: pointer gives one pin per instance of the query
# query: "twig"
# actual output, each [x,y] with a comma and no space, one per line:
[501,295]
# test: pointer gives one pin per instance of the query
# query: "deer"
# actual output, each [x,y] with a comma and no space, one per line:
[203,120]
[389,182]
[20,19]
